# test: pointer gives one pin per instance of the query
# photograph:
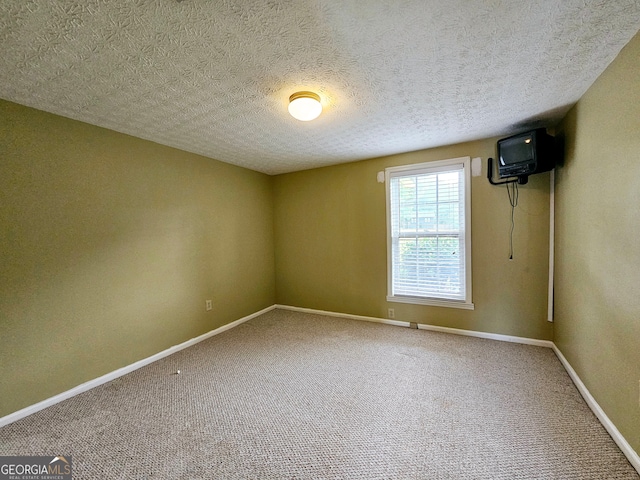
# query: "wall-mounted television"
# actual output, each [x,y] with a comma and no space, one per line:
[526,153]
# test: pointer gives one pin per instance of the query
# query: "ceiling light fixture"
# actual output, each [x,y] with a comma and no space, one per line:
[305,106]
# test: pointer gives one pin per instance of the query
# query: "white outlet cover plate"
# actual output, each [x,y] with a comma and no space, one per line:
[476,167]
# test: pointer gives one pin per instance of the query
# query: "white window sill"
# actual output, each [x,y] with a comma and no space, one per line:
[431,301]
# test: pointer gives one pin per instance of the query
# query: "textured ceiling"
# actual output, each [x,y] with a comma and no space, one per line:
[214,76]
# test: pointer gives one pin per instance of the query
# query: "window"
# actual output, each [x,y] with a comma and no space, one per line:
[429,233]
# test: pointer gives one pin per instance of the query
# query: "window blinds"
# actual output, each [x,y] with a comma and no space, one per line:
[427,230]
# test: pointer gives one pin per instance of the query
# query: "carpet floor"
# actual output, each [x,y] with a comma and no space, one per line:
[290,395]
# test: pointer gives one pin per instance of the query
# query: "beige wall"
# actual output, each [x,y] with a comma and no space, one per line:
[109,246]
[598,241]
[331,246]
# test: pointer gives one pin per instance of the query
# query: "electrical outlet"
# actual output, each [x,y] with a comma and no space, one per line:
[209,305]
[392,313]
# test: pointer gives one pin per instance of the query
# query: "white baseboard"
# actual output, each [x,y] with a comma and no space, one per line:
[12,417]
[387,321]
[490,336]
[629,452]
[421,326]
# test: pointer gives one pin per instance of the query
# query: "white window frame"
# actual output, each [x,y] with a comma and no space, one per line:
[432,167]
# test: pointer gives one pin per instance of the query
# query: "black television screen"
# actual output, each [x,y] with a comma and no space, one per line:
[517,150]
[525,154]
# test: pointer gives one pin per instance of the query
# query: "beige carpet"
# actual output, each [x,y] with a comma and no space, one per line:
[297,396]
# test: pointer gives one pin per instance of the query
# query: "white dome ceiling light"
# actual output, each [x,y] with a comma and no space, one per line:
[305,106]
